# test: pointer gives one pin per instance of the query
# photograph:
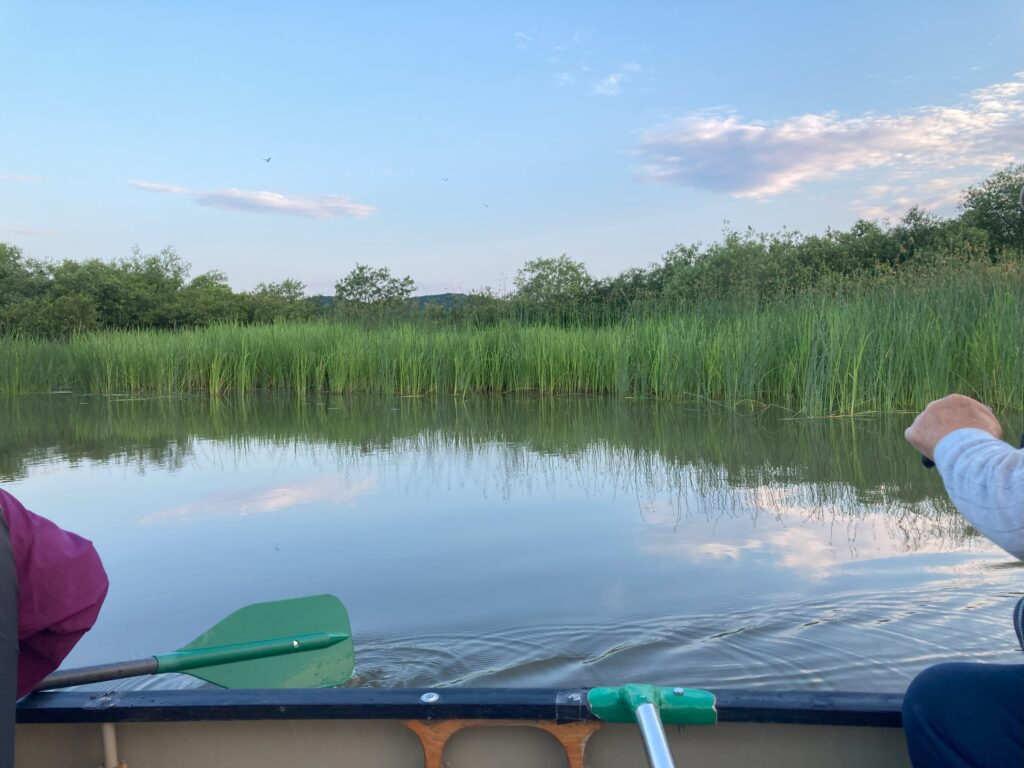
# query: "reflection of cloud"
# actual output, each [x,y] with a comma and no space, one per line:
[812,539]
[722,152]
[333,488]
[718,550]
[323,207]
[811,550]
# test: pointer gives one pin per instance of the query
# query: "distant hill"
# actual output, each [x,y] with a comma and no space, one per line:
[444,299]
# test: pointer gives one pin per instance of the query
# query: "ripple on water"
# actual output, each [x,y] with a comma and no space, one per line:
[869,641]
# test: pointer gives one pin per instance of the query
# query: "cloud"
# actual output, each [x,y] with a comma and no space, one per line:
[30,231]
[582,35]
[609,86]
[523,40]
[328,207]
[151,186]
[324,207]
[15,178]
[721,152]
[612,84]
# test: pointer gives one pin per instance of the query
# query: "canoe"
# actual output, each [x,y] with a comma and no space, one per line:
[455,727]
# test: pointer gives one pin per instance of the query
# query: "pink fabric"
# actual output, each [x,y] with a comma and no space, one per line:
[61,586]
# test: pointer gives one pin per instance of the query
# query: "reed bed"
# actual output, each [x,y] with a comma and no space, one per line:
[885,348]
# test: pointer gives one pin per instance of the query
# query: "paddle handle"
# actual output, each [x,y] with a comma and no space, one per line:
[99,673]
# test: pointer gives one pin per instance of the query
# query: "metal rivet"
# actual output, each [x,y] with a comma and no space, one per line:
[429,698]
[679,691]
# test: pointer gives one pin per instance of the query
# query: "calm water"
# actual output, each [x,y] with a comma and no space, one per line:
[523,542]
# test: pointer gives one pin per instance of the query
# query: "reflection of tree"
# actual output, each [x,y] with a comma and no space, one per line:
[710,462]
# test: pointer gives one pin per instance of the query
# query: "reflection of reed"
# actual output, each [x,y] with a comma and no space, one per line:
[711,462]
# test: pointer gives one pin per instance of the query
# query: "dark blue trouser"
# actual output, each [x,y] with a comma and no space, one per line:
[966,715]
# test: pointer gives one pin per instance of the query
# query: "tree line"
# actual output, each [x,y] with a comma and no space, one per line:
[157,291]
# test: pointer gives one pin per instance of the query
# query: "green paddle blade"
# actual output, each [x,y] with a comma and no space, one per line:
[291,619]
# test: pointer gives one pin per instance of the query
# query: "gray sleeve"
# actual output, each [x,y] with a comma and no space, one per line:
[985,480]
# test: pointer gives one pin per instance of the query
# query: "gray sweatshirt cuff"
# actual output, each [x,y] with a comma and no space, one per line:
[958,438]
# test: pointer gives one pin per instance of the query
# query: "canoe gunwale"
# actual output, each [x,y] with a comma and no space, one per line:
[543,704]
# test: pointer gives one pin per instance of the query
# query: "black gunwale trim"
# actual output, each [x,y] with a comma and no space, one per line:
[547,704]
[880,710]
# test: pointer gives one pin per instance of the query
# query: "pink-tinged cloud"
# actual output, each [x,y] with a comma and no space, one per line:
[324,207]
[30,231]
[328,207]
[762,159]
[151,186]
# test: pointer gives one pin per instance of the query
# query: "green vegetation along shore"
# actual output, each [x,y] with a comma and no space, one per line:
[891,345]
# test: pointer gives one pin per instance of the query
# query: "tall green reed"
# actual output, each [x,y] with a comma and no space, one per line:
[883,347]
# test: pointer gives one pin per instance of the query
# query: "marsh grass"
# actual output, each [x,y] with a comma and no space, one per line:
[883,348]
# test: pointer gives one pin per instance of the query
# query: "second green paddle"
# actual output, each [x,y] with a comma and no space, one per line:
[305,642]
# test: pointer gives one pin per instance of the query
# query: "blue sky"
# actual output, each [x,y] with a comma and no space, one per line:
[609,132]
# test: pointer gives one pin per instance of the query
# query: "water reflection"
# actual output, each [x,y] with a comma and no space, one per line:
[280,498]
[523,541]
[631,444]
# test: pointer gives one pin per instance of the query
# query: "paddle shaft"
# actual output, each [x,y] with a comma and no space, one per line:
[184,660]
[655,743]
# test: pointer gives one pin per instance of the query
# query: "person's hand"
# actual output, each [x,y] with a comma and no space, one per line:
[946,415]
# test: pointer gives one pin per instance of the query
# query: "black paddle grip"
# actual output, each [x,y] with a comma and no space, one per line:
[99,673]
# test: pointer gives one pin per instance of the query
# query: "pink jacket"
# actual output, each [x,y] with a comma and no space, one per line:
[61,586]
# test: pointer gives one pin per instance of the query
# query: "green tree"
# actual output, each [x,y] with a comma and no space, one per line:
[284,300]
[560,285]
[138,292]
[20,278]
[207,298]
[288,290]
[992,206]
[102,282]
[52,316]
[368,291]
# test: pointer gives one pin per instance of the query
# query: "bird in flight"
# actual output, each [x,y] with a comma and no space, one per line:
[445,178]
[266,159]
[486,205]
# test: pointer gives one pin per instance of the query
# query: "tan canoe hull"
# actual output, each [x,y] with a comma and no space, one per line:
[249,729]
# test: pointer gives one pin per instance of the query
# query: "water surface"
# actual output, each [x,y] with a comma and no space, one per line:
[523,541]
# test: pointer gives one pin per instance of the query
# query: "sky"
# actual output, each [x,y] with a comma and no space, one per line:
[454,142]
